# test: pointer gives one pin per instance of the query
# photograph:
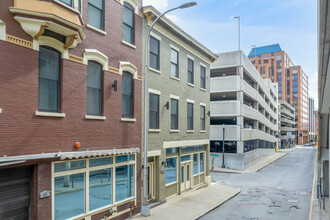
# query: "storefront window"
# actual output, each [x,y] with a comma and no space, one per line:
[100,188]
[71,165]
[69,195]
[124,182]
[185,158]
[171,167]
[100,161]
[201,165]
[195,164]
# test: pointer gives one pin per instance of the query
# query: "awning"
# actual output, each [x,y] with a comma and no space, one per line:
[96,153]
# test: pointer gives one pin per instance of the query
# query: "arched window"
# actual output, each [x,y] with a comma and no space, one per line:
[94,88]
[49,80]
[127,95]
[128,23]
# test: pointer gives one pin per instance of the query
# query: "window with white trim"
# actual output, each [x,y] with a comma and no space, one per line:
[174,114]
[174,63]
[202,118]
[90,181]
[94,88]
[154,53]
[171,170]
[153,111]
[96,13]
[49,80]
[190,71]
[203,77]
[190,116]
[128,23]
[127,95]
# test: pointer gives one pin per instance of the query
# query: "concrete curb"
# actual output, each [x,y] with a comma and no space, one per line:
[217,205]
[252,171]
[270,163]
[313,189]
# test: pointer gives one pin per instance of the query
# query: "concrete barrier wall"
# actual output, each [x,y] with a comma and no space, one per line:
[240,161]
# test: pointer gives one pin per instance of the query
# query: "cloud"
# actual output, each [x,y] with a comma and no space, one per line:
[158,4]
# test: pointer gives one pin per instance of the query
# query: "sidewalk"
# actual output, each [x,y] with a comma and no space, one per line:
[192,204]
[260,164]
[314,212]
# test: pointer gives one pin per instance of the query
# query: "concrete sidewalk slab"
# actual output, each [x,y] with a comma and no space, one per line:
[258,165]
[192,204]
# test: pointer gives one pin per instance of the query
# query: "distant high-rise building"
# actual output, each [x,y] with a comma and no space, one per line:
[311,119]
[274,63]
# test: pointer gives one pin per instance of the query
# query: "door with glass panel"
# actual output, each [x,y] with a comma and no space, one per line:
[185,176]
[151,189]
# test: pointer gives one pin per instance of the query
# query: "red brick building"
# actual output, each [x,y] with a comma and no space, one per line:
[70,108]
[274,63]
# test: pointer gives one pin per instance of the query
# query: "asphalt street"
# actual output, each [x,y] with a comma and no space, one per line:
[280,191]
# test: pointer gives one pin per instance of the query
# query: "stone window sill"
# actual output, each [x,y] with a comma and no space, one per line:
[174,131]
[128,119]
[154,70]
[50,114]
[96,29]
[190,131]
[95,117]
[154,130]
[128,44]
[175,78]
[192,85]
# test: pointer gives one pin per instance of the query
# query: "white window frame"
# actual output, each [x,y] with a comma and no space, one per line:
[86,170]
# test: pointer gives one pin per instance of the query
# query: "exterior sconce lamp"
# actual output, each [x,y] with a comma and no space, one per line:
[167,105]
[114,85]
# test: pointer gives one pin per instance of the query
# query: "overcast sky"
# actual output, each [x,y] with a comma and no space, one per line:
[291,23]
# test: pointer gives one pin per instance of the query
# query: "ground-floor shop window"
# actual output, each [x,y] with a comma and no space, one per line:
[171,170]
[99,182]
[124,182]
[198,163]
[69,195]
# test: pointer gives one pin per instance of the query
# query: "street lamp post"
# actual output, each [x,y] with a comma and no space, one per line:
[223,146]
[239,31]
[145,210]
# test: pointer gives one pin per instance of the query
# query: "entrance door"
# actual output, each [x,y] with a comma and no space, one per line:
[185,174]
[151,191]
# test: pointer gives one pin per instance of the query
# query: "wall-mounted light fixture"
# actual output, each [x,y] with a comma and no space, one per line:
[114,85]
[167,105]
[164,163]
[208,113]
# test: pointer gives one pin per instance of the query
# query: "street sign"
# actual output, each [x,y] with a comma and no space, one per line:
[214,155]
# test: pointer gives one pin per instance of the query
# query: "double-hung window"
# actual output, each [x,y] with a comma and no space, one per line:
[127,95]
[94,88]
[174,63]
[203,78]
[49,80]
[202,117]
[128,24]
[174,114]
[154,53]
[190,116]
[153,111]
[96,13]
[190,71]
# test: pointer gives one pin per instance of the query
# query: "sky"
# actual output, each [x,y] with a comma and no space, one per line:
[291,23]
